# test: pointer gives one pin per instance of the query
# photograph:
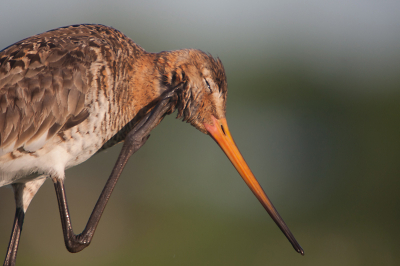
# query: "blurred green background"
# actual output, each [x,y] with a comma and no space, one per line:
[314,92]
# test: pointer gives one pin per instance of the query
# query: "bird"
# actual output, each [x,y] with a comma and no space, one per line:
[71,92]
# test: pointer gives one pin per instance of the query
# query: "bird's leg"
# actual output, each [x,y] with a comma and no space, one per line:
[133,141]
[23,194]
[14,239]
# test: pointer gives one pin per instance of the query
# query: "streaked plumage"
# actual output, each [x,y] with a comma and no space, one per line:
[67,93]
[52,84]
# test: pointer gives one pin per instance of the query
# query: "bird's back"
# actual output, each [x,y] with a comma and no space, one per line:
[60,95]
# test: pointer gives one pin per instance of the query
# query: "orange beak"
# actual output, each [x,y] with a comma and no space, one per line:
[220,133]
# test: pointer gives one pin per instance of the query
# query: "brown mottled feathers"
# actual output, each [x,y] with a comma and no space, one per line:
[44,81]
[94,79]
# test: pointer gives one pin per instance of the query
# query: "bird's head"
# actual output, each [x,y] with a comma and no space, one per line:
[201,88]
[201,82]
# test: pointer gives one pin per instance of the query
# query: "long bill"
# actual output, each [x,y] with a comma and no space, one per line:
[220,133]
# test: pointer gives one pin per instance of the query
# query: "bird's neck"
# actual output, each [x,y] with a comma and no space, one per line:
[138,92]
[170,66]
[144,82]
[150,76]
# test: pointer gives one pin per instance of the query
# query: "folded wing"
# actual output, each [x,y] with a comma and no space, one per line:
[43,84]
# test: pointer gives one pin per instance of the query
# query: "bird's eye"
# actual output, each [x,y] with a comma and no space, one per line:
[208,85]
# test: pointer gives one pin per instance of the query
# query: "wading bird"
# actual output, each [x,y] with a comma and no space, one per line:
[71,92]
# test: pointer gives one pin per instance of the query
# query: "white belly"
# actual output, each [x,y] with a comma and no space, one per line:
[73,147]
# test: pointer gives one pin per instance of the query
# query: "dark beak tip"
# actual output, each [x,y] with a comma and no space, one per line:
[300,250]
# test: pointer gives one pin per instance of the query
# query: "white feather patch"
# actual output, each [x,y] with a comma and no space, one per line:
[7,149]
[36,144]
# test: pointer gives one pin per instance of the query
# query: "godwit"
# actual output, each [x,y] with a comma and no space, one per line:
[70,92]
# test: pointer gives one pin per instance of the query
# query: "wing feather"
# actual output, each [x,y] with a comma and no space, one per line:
[43,87]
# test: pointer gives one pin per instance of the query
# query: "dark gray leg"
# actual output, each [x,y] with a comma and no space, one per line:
[23,194]
[134,140]
[14,239]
